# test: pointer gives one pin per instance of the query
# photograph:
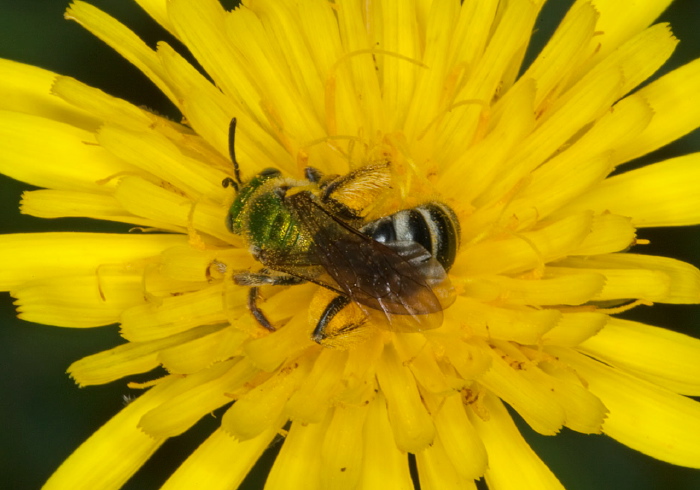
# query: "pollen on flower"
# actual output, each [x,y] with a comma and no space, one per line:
[365,237]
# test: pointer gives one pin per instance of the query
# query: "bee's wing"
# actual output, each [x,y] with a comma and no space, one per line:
[398,282]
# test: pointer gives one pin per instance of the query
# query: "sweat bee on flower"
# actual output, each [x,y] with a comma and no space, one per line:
[392,270]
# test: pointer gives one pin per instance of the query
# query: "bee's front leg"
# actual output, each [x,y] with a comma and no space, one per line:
[256,311]
[263,278]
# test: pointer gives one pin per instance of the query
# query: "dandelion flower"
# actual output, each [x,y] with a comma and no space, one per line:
[548,259]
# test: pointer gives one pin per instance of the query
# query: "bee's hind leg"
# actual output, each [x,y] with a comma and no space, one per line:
[263,278]
[340,323]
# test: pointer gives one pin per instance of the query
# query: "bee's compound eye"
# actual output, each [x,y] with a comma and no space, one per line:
[270,172]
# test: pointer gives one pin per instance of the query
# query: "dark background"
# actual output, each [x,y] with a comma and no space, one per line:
[44,416]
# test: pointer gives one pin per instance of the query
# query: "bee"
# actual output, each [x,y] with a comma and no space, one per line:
[393,269]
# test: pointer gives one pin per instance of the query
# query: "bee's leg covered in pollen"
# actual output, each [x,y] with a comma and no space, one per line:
[332,309]
[337,320]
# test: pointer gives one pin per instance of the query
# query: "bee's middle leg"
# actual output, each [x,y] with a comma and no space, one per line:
[263,278]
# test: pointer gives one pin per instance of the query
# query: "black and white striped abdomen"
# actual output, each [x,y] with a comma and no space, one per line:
[433,225]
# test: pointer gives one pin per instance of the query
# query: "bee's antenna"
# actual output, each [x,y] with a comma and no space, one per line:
[229,182]
[232,149]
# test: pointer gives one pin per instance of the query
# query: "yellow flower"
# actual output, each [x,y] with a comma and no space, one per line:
[548,258]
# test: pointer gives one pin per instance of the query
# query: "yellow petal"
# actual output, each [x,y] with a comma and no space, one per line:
[186,263]
[554,65]
[437,472]
[25,255]
[213,388]
[175,314]
[421,359]
[585,413]
[127,359]
[559,181]
[586,101]
[103,106]
[27,89]
[505,44]
[523,325]
[590,98]
[530,398]
[396,32]
[428,91]
[618,23]
[513,465]
[523,251]
[221,462]
[270,351]
[255,411]
[203,26]
[358,93]
[647,285]
[459,439]
[158,9]
[512,120]
[380,446]
[52,154]
[473,31]
[79,301]
[677,282]
[60,204]
[112,454]
[643,416]
[209,112]
[513,69]
[609,233]
[468,358]
[412,425]
[585,163]
[154,153]
[666,358]
[115,112]
[663,194]
[504,52]
[641,55]
[122,40]
[342,450]
[561,289]
[298,464]
[196,352]
[359,374]
[148,200]
[310,402]
[674,100]
[574,328]
[312,60]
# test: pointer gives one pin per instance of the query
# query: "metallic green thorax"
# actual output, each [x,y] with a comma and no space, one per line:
[260,214]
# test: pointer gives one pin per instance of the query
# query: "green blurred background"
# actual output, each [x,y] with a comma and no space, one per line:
[44,416]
